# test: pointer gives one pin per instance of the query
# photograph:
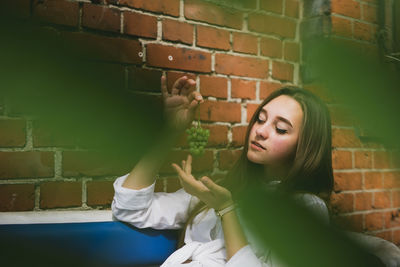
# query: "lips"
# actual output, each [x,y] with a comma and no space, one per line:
[257,144]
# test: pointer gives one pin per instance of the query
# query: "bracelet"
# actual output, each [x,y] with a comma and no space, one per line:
[221,213]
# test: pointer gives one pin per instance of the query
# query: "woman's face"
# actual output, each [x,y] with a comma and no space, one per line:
[273,137]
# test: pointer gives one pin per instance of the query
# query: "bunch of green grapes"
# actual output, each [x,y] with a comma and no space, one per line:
[197,139]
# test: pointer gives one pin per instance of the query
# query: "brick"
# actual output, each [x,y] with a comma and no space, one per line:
[107,48]
[57,12]
[114,74]
[395,199]
[60,195]
[374,221]
[345,138]
[266,88]
[272,6]
[87,163]
[99,193]
[17,197]
[387,235]
[395,159]
[340,116]
[238,135]
[241,66]
[173,184]
[12,133]
[168,7]
[391,180]
[270,24]
[249,4]
[292,8]
[282,71]
[218,135]
[227,158]
[363,31]
[245,43]
[251,108]
[144,80]
[137,24]
[370,13]
[363,159]
[342,203]
[363,201]
[213,14]
[347,181]
[321,91]
[101,18]
[381,159]
[392,219]
[220,111]
[373,180]
[33,164]
[243,89]
[213,38]
[178,58]
[44,134]
[350,222]
[213,86]
[177,31]
[271,47]
[341,26]
[382,200]
[159,186]
[172,76]
[396,237]
[341,159]
[349,8]
[292,51]
[199,164]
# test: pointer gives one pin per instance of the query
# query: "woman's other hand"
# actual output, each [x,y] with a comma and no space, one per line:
[181,104]
[213,195]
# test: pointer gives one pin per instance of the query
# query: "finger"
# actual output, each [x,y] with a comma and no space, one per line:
[175,101]
[192,106]
[183,165]
[178,84]
[188,87]
[194,95]
[164,90]
[189,182]
[178,170]
[213,187]
[188,169]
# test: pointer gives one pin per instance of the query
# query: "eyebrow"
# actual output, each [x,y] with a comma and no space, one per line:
[279,118]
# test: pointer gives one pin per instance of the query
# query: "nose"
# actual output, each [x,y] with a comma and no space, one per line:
[263,131]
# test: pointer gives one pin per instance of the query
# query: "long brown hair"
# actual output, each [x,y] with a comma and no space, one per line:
[311,170]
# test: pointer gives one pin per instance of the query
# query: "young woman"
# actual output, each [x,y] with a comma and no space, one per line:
[287,146]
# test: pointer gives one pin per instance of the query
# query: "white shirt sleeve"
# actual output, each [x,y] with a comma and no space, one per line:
[246,257]
[143,208]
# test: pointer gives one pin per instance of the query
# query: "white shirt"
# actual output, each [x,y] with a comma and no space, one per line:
[204,241]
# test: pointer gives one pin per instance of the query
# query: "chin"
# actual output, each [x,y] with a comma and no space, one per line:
[253,158]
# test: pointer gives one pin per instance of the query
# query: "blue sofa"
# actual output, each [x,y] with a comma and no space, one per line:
[109,243]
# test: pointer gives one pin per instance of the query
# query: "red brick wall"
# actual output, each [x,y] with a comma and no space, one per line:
[237,55]
[366,174]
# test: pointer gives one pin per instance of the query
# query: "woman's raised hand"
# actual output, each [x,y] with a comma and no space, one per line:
[181,104]
[213,195]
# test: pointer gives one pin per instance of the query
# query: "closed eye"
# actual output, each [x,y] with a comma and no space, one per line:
[280,131]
